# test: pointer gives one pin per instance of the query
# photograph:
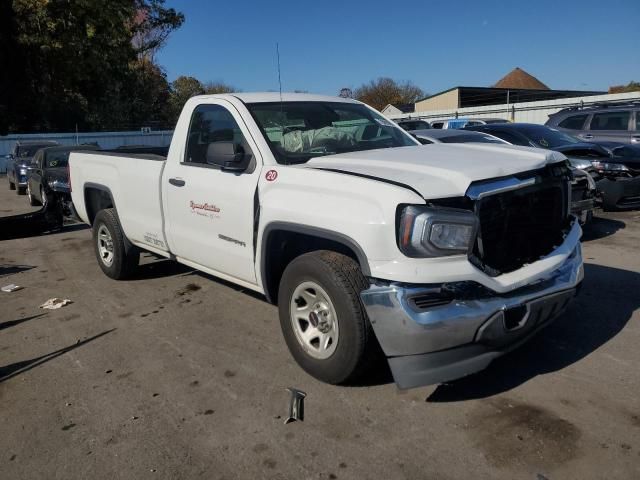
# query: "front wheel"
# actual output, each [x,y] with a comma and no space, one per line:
[322,318]
[116,259]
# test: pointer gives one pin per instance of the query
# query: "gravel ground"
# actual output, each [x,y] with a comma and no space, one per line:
[178,375]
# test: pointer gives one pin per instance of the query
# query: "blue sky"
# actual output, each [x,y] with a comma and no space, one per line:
[326,45]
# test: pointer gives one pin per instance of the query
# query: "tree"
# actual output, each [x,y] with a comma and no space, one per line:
[152,25]
[346,93]
[182,89]
[630,87]
[383,91]
[211,88]
[76,63]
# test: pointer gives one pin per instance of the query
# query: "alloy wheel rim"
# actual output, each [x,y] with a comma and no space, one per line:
[105,246]
[314,320]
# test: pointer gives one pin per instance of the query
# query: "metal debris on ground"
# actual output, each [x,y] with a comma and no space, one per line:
[296,405]
[55,303]
[11,288]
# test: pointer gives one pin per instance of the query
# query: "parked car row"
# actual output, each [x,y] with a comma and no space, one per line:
[40,169]
[411,124]
[615,167]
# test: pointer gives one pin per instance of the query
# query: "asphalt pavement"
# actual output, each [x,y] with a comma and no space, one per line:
[178,375]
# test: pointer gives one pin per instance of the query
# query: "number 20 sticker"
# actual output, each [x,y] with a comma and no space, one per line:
[271,175]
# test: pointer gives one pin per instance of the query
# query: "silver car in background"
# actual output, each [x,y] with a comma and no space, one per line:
[613,122]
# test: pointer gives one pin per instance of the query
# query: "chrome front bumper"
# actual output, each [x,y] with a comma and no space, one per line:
[442,343]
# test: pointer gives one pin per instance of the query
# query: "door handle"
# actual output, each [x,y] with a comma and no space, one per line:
[178,182]
[635,139]
[588,135]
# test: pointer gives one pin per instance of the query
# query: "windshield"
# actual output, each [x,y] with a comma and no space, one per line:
[299,131]
[480,138]
[26,151]
[57,159]
[546,137]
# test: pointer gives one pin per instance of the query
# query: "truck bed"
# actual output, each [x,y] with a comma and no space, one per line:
[132,180]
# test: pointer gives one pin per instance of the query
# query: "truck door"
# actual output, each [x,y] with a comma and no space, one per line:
[209,206]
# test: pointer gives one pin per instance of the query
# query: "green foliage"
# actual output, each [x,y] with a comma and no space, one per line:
[183,88]
[76,62]
[630,87]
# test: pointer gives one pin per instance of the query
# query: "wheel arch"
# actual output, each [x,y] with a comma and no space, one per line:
[97,197]
[283,241]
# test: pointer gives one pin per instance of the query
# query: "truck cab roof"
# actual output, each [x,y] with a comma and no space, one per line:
[269,97]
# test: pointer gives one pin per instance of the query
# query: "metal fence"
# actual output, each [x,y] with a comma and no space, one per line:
[104,140]
[530,112]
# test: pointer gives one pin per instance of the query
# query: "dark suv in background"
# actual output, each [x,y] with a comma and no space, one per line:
[19,161]
[614,122]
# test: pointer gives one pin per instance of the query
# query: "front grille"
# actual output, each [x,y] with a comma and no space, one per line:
[520,226]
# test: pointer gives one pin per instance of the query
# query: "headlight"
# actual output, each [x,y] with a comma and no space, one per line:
[612,167]
[436,232]
[579,163]
[23,171]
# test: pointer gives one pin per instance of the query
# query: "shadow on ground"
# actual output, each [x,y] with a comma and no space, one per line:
[598,314]
[160,268]
[46,220]
[601,227]
[15,369]
[6,269]
[14,323]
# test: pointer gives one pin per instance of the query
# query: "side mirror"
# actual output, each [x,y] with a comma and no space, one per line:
[227,155]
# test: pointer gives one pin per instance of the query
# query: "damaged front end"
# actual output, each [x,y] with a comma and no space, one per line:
[433,333]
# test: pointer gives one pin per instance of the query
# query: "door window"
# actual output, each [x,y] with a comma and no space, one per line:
[574,122]
[610,121]
[211,124]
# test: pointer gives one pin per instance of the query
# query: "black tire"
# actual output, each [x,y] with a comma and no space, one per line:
[341,278]
[21,190]
[12,186]
[125,257]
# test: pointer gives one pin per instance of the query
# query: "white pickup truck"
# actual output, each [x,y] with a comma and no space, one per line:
[440,257]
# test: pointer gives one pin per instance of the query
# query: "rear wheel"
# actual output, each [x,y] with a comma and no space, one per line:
[322,319]
[116,259]
[20,190]
[12,186]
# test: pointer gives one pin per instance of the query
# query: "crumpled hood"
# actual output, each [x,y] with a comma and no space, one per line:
[439,171]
